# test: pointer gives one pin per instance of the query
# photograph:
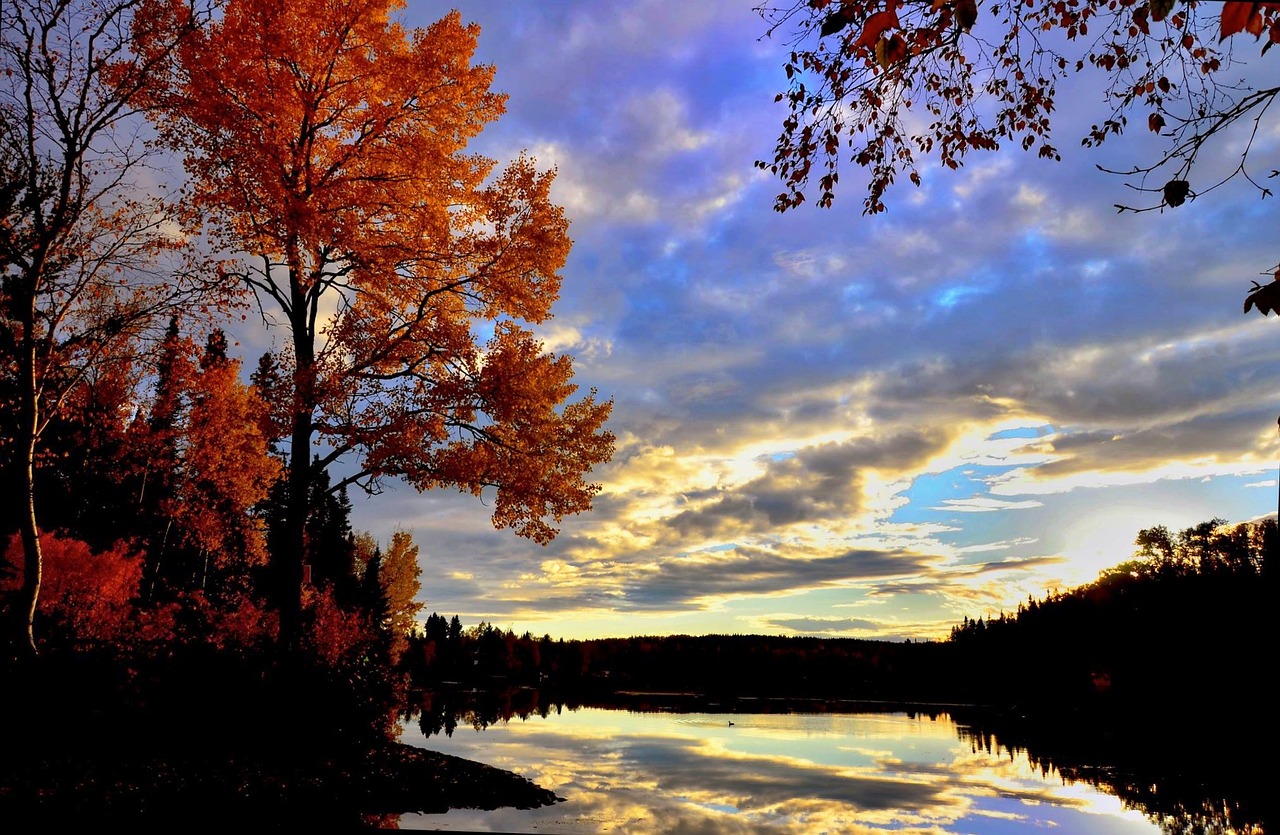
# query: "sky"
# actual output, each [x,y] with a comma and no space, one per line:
[837,424]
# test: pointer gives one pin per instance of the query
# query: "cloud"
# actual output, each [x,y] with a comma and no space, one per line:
[822,483]
[701,578]
[998,546]
[1003,566]
[823,625]
[985,504]
[753,782]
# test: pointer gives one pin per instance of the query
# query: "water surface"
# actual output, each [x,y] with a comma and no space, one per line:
[855,774]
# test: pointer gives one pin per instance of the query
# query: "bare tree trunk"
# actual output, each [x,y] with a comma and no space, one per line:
[296,511]
[24,641]
[23,637]
[300,476]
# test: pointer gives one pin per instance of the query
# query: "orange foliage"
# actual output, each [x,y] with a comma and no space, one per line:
[226,470]
[85,595]
[336,635]
[336,158]
[238,622]
[204,449]
[92,597]
[398,570]
[1254,18]
[326,149]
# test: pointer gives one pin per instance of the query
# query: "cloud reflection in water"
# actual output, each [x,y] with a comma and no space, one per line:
[689,774]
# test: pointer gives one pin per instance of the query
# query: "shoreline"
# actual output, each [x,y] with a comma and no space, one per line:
[365,791]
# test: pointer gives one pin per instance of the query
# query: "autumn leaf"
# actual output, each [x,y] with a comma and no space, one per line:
[833,23]
[1176,192]
[890,50]
[1265,298]
[1155,122]
[1161,8]
[877,25]
[1242,16]
[1235,17]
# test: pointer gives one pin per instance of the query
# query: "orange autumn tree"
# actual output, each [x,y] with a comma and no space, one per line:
[327,145]
[391,587]
[201,461]
[227,471]
[883,83]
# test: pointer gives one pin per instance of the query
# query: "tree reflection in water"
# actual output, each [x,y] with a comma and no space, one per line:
[1190,775]
[1183,776]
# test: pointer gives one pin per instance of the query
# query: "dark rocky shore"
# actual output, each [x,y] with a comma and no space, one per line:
[214,746]
[194,793]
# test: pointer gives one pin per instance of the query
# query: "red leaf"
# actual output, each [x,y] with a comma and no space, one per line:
[1155,122]
[1236,15]
[890,50]
[877,24]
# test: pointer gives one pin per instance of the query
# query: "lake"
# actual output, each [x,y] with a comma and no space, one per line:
[626,771]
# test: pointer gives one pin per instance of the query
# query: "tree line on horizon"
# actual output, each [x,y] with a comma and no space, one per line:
[1178,624]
